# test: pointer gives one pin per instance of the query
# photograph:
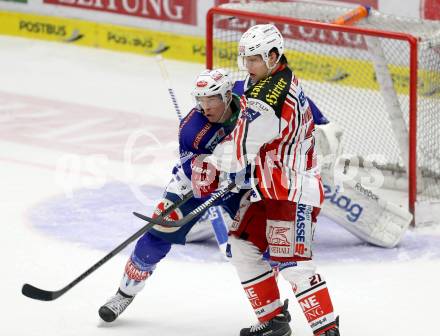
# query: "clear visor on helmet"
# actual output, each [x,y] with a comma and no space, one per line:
[244,62]
[241,62]
[209,101]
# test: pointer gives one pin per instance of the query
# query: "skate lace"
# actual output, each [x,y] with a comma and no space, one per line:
[118,303]
[259,326]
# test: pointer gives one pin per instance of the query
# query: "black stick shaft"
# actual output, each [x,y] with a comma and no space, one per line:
[43,295]
[193,214]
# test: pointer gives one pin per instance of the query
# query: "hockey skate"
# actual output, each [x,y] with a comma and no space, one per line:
[278,326]
[115,306]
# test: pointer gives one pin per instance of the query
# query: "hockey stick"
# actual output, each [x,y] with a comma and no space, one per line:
[165,76]
[219,227]
[44,295]
[196,212]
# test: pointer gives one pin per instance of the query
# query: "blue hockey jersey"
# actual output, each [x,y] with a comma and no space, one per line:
[197,135]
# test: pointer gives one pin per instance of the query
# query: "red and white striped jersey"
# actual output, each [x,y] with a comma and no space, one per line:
[275,135]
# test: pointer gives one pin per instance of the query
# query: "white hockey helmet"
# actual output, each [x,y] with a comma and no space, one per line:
[211,83]
[260,40]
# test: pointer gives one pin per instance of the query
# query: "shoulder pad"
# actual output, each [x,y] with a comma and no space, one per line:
[318,117]
[273,89]
[238,88]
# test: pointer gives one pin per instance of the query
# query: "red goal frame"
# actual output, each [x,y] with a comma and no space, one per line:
[413,45]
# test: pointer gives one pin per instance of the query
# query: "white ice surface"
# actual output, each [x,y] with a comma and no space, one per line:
[184,297]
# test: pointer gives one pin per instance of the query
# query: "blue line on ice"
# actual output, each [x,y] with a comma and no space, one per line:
[101,219]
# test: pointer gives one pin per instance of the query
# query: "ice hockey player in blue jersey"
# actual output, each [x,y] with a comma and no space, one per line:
[200,131]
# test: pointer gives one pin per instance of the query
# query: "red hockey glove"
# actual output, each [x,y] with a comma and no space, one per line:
[204,177]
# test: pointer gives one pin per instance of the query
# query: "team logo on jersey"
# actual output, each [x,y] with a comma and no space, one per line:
[201,83]
[303,219]
[280,239]
[274,93]
[201,134]
[216,138]
[258,87]
[258,105]
[250,114]
[277,235]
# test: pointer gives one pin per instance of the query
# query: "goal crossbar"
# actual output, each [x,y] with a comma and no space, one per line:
[413,69]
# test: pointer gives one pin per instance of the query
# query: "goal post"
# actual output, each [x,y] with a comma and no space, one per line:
[379,79]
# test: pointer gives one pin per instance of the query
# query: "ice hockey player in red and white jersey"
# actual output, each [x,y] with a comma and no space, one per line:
[201,129]
[275,136]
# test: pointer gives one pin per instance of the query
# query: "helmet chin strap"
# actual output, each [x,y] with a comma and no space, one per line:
[270,68]
[226,108]
[269,71]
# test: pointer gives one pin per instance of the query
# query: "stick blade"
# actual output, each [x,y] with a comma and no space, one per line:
[149,219]
[38,294]
[158,221]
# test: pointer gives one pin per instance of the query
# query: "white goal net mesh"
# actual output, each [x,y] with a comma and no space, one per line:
[338,71]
